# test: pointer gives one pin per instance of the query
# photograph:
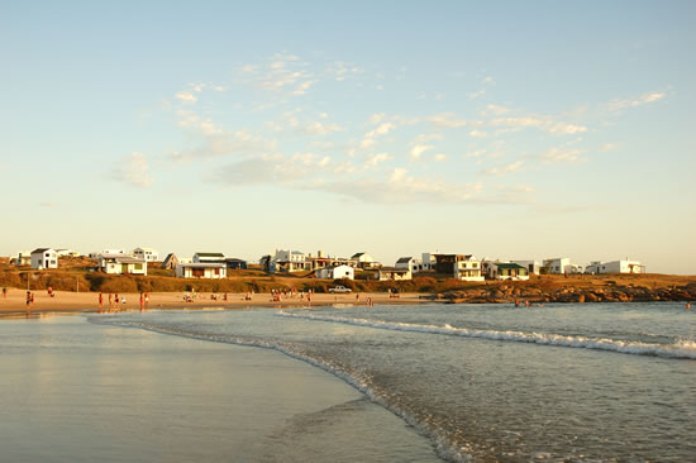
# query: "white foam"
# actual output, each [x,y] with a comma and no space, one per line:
[682,349]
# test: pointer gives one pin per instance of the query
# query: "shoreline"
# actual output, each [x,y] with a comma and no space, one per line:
[14,304]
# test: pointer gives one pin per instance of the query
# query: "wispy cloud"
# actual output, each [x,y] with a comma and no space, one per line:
[504,169]
[645,99]
[284,72]
[370,137]
[340,70]
[133,170]
[186,97]
[562,155]
[547,124]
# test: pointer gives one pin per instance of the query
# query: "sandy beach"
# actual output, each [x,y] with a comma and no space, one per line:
[63,301]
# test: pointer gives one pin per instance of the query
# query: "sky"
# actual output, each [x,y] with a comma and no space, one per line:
[506,129]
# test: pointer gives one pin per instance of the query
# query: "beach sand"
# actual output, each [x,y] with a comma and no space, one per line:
[76,391]
[15,302]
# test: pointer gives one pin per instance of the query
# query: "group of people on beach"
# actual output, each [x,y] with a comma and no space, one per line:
[115,300]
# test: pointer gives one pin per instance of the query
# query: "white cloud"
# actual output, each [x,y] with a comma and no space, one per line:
[565,129]
[440,157]
[283,73]
[341,71]
[447,120]
[546,124]
[505,169]
[319,128]
[371,136]
[494,110]
[647,98]
[134,170]
[418,150]
[478,133]
[186,97]
[376,159]
[562,155]
[191,120]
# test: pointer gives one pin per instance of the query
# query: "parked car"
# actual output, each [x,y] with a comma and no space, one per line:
[339,289]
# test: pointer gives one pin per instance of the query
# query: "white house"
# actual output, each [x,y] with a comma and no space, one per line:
[22,258]
[146,254]
[338,272]
[364,260]
[616,266]
[290,261]
[468,268]
[427,262]
[43,258]
[210,270]
[533,266]
[394,274]
[506,271]
[560,265]
[407,263]
[118,264]
[208,258]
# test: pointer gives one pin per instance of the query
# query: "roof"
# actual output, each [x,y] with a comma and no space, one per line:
[39,250]
[509,265]
[203,265]
[404,260]
[234,259]
[210,254]
[357,255]
[121,259]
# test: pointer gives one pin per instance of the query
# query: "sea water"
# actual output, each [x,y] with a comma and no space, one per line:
[560,382]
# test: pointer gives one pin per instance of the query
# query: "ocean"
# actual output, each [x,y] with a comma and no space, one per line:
[560,382]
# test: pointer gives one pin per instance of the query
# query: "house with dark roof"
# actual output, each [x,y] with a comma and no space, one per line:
[210,270]
[364,260]
[236,264]
[43,258]
[208,258]
[170,261]
[408,263]
[506,271]
[119,264]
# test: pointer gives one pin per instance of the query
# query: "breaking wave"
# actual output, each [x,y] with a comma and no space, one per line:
[681,349]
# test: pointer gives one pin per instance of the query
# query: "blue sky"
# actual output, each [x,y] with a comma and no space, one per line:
[504,129]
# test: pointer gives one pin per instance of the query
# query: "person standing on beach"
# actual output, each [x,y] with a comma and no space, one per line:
[28,299]
[101,300]
[4,292]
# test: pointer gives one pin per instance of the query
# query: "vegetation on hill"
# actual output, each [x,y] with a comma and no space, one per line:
[77,274]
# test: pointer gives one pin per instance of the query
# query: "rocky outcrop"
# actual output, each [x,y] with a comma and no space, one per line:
[537,293]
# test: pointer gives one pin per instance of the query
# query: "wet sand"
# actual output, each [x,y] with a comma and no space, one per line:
[15,302]
[74,391]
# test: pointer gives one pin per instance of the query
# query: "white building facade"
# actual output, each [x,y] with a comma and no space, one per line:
[213,271]
[121,264]
[44,258]
[616,266]
[468,268]
[146,254]
[338,272]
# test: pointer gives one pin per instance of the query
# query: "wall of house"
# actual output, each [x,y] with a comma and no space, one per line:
[48,259]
